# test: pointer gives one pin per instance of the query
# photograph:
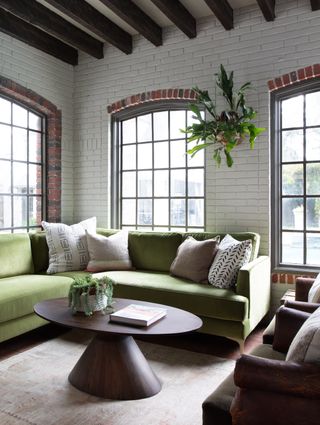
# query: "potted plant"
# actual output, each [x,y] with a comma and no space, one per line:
[224,130]
[89,294]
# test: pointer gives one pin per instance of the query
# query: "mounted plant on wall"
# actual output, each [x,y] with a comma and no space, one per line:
[224,130]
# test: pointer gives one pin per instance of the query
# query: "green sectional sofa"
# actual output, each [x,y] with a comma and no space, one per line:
[233,314]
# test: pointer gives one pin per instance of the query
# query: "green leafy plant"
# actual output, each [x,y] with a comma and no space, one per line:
[224,130]
[88,294]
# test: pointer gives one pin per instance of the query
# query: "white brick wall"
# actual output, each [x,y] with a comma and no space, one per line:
[52,79]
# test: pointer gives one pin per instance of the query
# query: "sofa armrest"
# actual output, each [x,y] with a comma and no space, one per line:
[303,285]
[302,306]
[279,376]
[254,283]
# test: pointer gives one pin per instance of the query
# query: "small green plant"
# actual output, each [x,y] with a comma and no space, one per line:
[224,130]
[88,294]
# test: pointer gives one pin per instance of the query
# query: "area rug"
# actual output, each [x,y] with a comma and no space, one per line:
[34,387]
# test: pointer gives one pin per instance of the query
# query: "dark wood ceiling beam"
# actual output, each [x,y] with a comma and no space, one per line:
[179,15]
[136,18]
[268,9]
[315,4]
[36,14]
[21,30]
[86,15]
[223,12]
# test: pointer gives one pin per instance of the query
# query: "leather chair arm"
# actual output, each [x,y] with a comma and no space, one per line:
[278,376]
[302,305]
[303,285]
[288,322]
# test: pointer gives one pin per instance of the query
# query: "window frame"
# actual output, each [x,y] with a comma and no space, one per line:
[301,88]
[43,164]
[116,169]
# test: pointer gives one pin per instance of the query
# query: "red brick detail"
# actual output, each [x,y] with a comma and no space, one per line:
[29,98]
[151,96]
[287,278]
[301,74]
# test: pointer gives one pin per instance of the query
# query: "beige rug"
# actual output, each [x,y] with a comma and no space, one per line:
[34,389]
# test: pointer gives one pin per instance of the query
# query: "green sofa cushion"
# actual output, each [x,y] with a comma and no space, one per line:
[15,254]
[200,299]
[40,252]
[19,294]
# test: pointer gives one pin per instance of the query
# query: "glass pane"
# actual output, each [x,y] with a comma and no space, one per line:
[20,230]
[178,212]
[145,211]
[292,179]
[160,125]
[144,228]
[35,210]
[161,155]
[312,108]
[177,229]
[5,211]
[195,212]
[145,155]
[161,183]
[196,160]
[313,213]
[313,144]
[5,177]
[129,227]
[178,153]
[196,182]
[34,121]
[20,211]
[178,183]
[161,229]
[20,172]
[292,112]
[129,131]
[313,249]
[161,212]
[34,146]
[177,122]
[35,179]
[292,248]
[292,213]
[144,128]
[144,183]
[20,141]
[128,211]
[313,179]
[19,116]
[5,143]
[129,157]
[5,111]
[292,145]
[129,184]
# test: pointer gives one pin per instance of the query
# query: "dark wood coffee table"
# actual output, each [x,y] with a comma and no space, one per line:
[112,366]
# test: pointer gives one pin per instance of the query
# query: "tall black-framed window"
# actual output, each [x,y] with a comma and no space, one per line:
[156,186]
[295,171]
[22,166]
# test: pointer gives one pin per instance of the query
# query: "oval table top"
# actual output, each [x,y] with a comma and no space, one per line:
[176,321]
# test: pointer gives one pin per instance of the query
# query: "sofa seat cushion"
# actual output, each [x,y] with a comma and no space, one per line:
[15,254]
[74,274]
[19,294]
[200,299]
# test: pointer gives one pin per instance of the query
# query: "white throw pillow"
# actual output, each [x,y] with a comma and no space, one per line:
[108,253]
[305,346]
[67,245]
[314,292]
[231,256]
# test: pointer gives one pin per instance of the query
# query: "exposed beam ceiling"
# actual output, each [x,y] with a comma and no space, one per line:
[315,4]
[86,15]
[34,13]
[31,35]
[136,18]
[268,9]
[223,11]
[179,15]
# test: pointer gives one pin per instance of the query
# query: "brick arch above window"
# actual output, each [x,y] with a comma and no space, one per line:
[31,99]
[151,96]
[302,74]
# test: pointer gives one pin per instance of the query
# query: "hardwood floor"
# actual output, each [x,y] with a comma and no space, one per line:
[201,343]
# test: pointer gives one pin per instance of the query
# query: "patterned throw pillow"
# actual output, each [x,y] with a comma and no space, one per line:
[314,292]
[67,245]
[305,346]
[227,263]
[108,253]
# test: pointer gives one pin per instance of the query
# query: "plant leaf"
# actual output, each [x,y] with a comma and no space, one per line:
[228,158]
